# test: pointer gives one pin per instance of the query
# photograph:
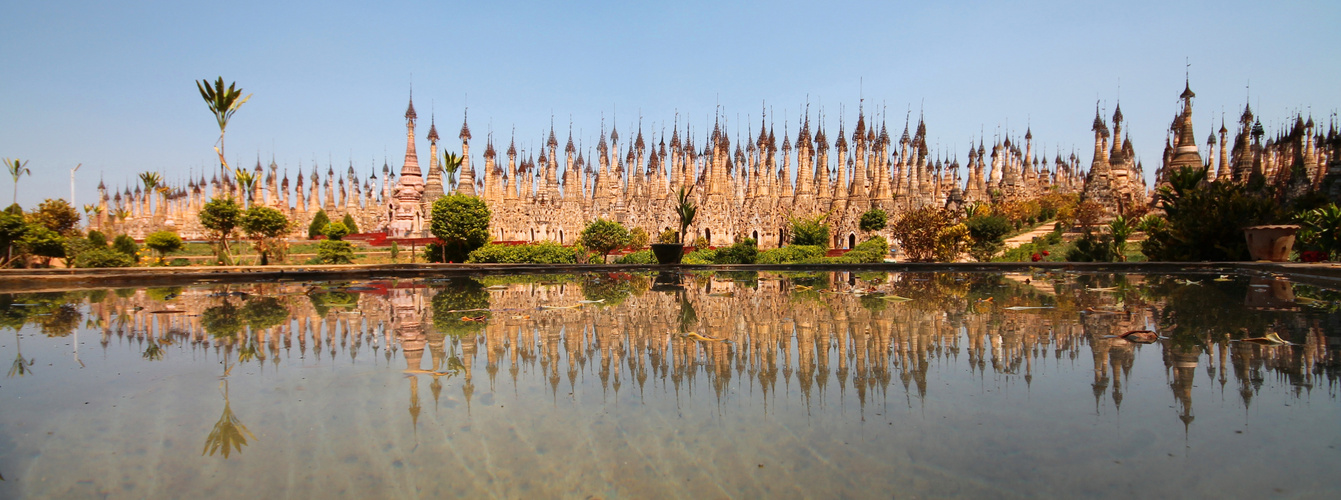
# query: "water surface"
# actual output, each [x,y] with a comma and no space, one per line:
[696,385]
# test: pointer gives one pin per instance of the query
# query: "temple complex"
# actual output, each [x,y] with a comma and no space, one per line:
[751,188]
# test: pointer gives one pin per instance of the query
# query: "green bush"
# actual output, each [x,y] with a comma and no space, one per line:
[126,245]
[744,252]
[869,251]
[349,223]
[792,254]
[335,251]
[1204,221]
[700,257]
[103,257]
[547,252]
[811,231]
[163,243]
[988,233]
[318,224]
[96,239]
[639,257]
[335,231]
[1093,248]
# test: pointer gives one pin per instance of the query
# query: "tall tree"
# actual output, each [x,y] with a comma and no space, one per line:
[16,169]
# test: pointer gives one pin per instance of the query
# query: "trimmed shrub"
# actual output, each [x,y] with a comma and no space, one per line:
[547,252]
[639,257]
[744,252]
[103,257]
[792,254]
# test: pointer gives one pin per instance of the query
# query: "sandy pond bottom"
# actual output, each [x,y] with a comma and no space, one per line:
[826,385]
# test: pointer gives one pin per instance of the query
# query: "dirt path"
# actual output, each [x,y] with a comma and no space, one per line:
[1028,236]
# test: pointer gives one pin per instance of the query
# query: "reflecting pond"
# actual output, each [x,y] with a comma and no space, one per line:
[727,384]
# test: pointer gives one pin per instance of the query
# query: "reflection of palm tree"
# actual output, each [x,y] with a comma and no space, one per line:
[229,434]
[21,366]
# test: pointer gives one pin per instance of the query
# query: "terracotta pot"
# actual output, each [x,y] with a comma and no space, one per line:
[668,253]
[1271,243]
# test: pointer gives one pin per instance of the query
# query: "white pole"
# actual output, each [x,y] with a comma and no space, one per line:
[72,191]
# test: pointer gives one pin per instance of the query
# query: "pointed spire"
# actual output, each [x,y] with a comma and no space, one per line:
[432,129]
[465,127]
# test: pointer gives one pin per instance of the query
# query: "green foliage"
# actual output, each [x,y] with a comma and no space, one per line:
[12,229]
[17,168]
[221,320]
[264,312]
[873,220]
[546,252]
[319,222]
[126,245]
[43,242]
[988,233]
[1320,229]
[348,221]
[870,251]
[638,238]
[613,288]
[604,236]
[744,252]
[96,239]
[639,257]
[335,231]
[685,209]
[451,162]
[163,243]
[1205,221]
[931,234]
[700,256]
[221,216]
[668,237]
[266,227]
[335,251]
[702,243]
[394,251]
[1049,247]
[103,257]
[812,231]
[461,297]
[462,223]
[56,215]
[1093,248]
[792,254]
[1120,230]
[162,294]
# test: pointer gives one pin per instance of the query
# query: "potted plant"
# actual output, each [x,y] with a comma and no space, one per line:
[1270,242]
[669,248]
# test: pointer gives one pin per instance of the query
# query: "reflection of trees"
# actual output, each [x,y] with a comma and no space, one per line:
[228,434]
[613,288]
[459,298]
[264,313]
[221,321]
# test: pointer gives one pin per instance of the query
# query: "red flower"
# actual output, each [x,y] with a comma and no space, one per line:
[1045,253]
[1036,257]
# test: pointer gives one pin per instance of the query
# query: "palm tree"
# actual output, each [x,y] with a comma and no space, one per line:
[17,169]
[223,102]
[451,162]
[151,182]
[247,182]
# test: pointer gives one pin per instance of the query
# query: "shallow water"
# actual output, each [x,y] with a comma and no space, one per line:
[824,385]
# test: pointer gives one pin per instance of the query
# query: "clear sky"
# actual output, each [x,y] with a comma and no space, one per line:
[109,84]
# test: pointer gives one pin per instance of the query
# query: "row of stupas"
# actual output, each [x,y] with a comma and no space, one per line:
[747,191]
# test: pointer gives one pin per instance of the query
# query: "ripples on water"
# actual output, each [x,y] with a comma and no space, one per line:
[695,385]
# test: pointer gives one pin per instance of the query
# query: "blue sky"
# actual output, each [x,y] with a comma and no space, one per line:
[110,85]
